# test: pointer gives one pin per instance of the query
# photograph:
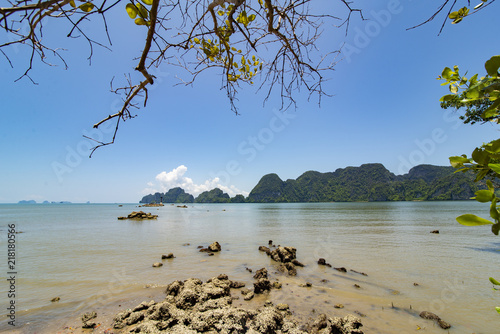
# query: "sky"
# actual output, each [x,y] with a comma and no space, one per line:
[384,109]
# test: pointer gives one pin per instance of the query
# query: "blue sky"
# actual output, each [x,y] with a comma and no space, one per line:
[384,109]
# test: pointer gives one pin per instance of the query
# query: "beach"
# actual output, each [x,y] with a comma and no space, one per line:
[106,266]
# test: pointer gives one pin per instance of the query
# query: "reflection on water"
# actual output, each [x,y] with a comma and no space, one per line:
[88,258]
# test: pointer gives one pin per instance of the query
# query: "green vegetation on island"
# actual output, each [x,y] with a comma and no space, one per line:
[369,183]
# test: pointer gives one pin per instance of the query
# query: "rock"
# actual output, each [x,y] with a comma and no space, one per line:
[187,244]
[261,273]
[134,318]
[215,247]
[237,285]
[168,256]
[431,316]
[277,285]
[157,264]
[282,307]
[204,250]
[199,247]
[139,215]
[55,299]
[416,284]
[306,285]
[265,249]
[270,242]
[182,206]
[248,269]
[322,261]
[283,254]
[341,269]
[357,286]
[249,295]
[428,315]
[261,286]
[443,324]
[196,307]
[87,320]
[338,306]
[288,268]
[358,272]
[435,231]
[297,263]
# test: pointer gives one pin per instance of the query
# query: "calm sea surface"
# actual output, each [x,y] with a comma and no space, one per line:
[84,255]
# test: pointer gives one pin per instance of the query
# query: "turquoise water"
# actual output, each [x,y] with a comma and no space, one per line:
[84,255]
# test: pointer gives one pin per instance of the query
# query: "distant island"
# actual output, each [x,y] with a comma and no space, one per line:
[366,183]
[44,202]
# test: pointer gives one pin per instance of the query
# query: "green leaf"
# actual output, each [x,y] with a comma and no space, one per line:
[140,21]
[131,10]
[458,161]
[453,89]
[87,7]
[493,209]
[143,11]
[493,146]
[492,66]
[480,156]
[72,3]
[498,309]
[448,97]
[251,18]
[453,15]
[147,2]
[495,168]
[447,73]
[484,196]
[495,228]
[472,220]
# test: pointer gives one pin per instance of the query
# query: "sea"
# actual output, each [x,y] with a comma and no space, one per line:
[395,267]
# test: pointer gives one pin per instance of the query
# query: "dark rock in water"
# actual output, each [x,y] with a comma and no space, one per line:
[139,215]
[204,250]
[261,286]
[306,285]
[248,269]
[357,286]
[277,285]
[215,247]
[443,324]
[211,254]
[87,320]
[261,273]
[270,242]
[237,285]
[428,315]
[435,231]
[297,263]
[416,284]
[431,316]
[283,254]
[157,264]
[187,244]
[56,299]
[265,249]
[288,268]
[341,269]
[168,256]
[199,247]
[322,261]
[358,272]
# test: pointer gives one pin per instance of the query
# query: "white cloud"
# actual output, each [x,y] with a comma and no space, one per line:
[175,178]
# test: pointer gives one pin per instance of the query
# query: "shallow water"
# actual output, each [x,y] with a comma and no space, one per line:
[88,258]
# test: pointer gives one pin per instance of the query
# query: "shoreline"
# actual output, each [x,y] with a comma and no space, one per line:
[305,300]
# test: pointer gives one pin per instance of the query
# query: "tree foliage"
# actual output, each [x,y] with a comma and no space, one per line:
[271,44]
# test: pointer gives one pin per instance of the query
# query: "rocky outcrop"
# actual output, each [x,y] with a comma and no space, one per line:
[196,307]
[215,247]
[139,215]
[431,316]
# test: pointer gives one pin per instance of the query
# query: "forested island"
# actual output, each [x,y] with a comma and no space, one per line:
[369,182]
